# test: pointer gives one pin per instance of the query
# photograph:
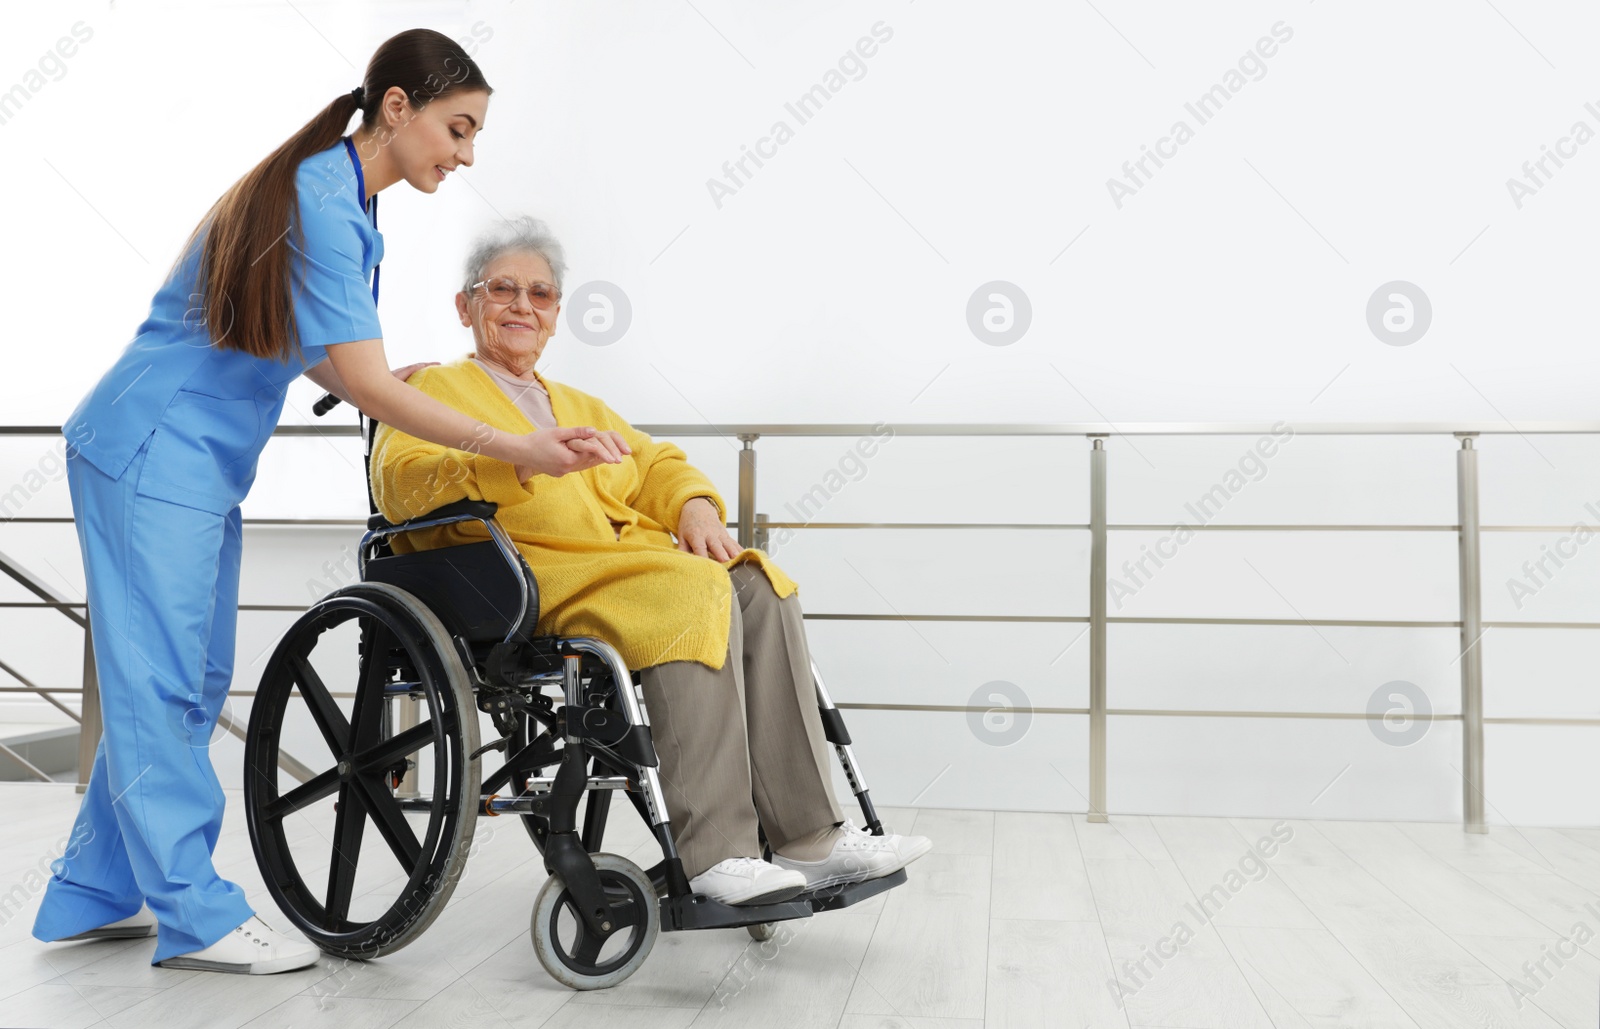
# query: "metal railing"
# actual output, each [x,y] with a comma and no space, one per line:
[753,528]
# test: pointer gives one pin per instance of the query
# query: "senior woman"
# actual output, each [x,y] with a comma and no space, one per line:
[714,630]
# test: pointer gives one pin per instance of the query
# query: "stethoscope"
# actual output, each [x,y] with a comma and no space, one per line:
[327,402]
[371,206]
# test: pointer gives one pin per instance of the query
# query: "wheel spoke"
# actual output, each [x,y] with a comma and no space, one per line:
[624,912]
[366,713]
[391,822]
[527,760]
[330,720]
[304,795]
[347,831]
[391,750]
[589,945]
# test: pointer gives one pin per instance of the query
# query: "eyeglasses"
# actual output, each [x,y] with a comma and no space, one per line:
[541,295]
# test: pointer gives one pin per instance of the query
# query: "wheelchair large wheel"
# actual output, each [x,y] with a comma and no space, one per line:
[574,956]
[326,701]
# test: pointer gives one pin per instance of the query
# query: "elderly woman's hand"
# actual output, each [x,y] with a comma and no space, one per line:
[700,531]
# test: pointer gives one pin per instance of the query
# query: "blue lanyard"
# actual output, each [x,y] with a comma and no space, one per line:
[372,206]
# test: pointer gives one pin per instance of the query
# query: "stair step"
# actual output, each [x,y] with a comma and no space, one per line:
[53,750]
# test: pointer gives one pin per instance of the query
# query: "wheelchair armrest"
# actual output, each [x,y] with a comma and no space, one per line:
[460,510]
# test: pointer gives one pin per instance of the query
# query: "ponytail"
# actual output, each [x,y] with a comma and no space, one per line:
[245,278]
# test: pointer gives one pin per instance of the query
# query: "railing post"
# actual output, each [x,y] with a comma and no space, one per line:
[1097,629]
[763,534]
[747,490]
[1471,636]
[89,712]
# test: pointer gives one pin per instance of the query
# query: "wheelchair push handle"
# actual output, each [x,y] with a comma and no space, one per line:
[327,402]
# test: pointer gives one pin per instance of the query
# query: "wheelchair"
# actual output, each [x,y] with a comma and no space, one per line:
[422,644]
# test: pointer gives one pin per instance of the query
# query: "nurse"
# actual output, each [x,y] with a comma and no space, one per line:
[273,283]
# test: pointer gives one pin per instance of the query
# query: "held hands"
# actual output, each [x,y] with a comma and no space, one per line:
[556,452]
[700,531]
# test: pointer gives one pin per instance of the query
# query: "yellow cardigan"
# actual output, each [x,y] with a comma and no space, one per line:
[640,593]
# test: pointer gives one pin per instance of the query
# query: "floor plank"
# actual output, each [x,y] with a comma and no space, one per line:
[929,954]
[1045,974]
[1438,982]
[1275,960]
[1233,874]
[1038,869]
[1448,898]
[1552,973]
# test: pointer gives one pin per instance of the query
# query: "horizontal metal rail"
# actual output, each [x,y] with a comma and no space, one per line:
[735,429]
[862,616]
[339,523]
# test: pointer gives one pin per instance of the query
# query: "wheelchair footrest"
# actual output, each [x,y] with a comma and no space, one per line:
[697,911]
[831,898]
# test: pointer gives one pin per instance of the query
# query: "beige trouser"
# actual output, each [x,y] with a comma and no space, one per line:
[744,740]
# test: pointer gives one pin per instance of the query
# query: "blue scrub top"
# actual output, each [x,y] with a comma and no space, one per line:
[209,410]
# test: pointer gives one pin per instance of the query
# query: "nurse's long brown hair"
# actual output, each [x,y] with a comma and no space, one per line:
[245,278]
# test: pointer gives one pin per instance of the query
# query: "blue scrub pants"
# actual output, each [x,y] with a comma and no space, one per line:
[163,585]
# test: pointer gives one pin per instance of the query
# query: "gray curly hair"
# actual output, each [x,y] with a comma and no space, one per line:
[522,234]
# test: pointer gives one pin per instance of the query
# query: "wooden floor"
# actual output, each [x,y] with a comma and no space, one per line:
[1014,920]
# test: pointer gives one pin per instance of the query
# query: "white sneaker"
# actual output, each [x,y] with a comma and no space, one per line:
[748,881]
[136,926]
[857,856]
[252,949]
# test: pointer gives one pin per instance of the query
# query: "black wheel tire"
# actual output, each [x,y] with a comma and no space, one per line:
[397,628]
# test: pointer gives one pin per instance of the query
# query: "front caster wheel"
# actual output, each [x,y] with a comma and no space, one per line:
[763,932]
[577,958]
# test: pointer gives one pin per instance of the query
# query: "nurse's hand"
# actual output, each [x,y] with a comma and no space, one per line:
[405,373]
[556,452]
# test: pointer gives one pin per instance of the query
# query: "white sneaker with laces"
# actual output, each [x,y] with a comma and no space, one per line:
[748,881]
[136,926]
[251,949]
[858,855]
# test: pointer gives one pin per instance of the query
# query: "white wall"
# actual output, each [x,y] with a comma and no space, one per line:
[834,286]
